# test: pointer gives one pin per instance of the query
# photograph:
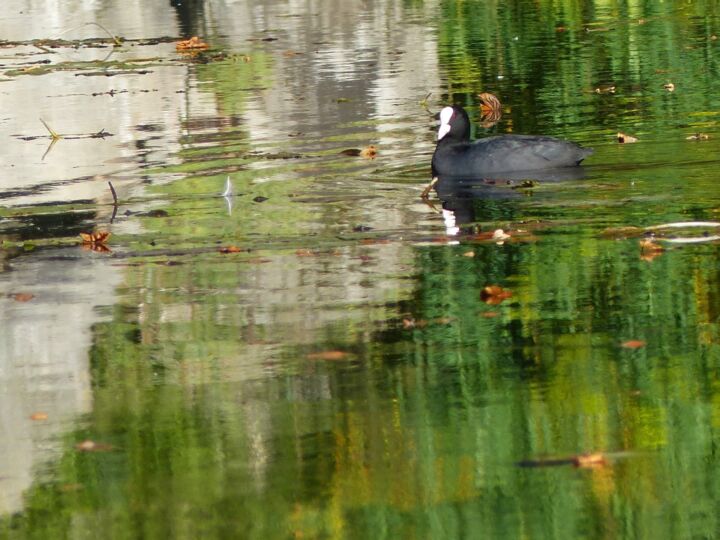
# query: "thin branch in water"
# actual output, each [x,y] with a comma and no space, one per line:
[115,201]
[114,193]
[115,39]
[53,134]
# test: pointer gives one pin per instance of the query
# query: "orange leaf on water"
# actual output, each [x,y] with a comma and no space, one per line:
[22,297]
[596,459]
[626,139]
[230,249]
[99,237]
[92,446]
[490,110]
[39,416]
[494,294]
[633,344]
[192,44]
[327,355]
[369,152]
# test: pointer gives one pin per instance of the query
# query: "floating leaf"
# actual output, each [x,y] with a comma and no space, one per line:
[39,416]
[596,459]
[22,297]
[500,236]
[494,294]
[327,355]
[369,152]
[353,152]
[192,44]
[650,249]
[633,344]
[230,249]
[92,446]
[491,110]
[411,323]
[99,237]
[489,103]
[605,89]
[469,254]
[626,139]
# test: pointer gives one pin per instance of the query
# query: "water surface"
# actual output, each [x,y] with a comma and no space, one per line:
[342,373]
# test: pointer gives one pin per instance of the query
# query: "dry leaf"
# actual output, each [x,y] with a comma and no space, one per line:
[369,152]
[469,254]
[670,87]
[192,44]
[623,138]
[22,297]
[490,109]
[39,416]
[489,103]
[605,89]
[230,249]
[494,294]
[650,249]
[99,237]
[412,323]
[92,446]
[633,344]
[698,137]
[489,314]
[596,459]
[327,355]
[500,236]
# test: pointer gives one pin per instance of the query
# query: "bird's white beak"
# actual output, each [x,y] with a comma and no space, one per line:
[445,115]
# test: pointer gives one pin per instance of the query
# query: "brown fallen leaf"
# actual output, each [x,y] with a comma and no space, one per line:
[489,103]
[369,152]
[596,459]
[494,294]
[22,297]
[500,236]
[697,137]
[92,446]
[230,249]
[490,110]
[192,44]
[99,237]
[670,87]
[650,249]
[623,138]
[327,355]
[39,416]
[605,89]
[633,344]
[410,323]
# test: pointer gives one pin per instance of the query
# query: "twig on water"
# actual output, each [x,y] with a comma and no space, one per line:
[115,201]
[53,134]
[115,39]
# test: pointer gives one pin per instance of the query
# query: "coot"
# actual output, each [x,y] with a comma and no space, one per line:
[456,156]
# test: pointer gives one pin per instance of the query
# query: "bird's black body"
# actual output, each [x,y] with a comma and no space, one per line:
[456,156]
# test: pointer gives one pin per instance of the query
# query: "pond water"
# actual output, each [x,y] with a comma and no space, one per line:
[318,354]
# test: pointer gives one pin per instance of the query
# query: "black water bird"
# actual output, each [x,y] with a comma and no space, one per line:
[456,156]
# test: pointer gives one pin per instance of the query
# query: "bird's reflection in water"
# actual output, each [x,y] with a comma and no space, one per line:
[468,201]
